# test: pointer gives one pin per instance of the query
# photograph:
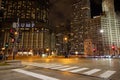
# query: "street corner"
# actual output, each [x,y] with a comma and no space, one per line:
[11,64]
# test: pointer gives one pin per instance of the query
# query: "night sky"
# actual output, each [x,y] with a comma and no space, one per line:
[96,7]
[61,9]
[117,6]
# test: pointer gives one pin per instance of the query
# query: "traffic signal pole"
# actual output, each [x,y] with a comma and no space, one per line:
[14,51]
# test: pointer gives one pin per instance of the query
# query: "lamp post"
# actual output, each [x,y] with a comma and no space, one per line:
[47,50]
[65,39]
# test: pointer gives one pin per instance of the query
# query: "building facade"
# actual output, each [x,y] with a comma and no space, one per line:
[102,30]
[111,27]
[80,25]
[95,33]
[32,21]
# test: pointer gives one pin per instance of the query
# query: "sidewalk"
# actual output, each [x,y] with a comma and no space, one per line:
[11,64]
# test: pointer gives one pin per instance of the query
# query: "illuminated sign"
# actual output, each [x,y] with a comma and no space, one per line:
[26,25]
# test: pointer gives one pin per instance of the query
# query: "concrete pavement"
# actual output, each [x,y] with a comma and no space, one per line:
[11,64]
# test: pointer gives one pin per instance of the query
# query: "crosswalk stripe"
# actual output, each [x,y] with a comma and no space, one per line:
[39,76]
[78,70]
[52,66]
[107,74]
[42,65]
[91,71]
[59,67]
[65,69]
[73,69]
[35,64]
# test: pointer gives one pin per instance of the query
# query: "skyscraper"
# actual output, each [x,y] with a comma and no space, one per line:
[80,24]
[110,26]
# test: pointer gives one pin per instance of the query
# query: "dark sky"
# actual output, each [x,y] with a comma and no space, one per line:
[96,7]
[117,6]
[61,9]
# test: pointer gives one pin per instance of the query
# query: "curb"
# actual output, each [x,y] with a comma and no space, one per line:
[12,65]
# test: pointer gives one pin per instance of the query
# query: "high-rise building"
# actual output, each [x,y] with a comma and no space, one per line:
[110,26]
[31,17]
[102,30]
[80,24]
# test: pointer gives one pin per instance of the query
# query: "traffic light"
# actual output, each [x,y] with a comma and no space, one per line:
[94,50]
[113,47]
[12,40]
[6,45]
[12,33]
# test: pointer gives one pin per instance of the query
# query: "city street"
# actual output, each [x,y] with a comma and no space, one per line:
[60,40]
[64,69]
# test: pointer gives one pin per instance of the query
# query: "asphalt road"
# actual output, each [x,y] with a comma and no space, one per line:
[64,69]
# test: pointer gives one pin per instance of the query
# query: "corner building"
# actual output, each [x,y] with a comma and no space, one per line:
[111,27]
[33,23]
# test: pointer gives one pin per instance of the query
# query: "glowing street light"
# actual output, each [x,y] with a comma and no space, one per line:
[65,39]
[16,33]
[101,31]
[3,49]
[47,49]
[76,52]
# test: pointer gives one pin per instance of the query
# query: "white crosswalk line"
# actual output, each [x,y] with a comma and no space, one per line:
[92,71]
[35,64]
[59,67]
[107,74]
[73,69]
[44,65]
[52,66]
[78,70]
[39,76]
[65,69]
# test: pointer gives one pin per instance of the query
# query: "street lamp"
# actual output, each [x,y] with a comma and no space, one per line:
[76,53]
[65,39]
[101,31]
[16,33]
[47,50]
[3,49]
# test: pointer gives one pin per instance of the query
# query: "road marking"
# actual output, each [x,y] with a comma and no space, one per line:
[107,74]
[68,68]
[53,66]
[59,67]
[35,64]
[39,76]
[91,71]
[45,65]
[78,70]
